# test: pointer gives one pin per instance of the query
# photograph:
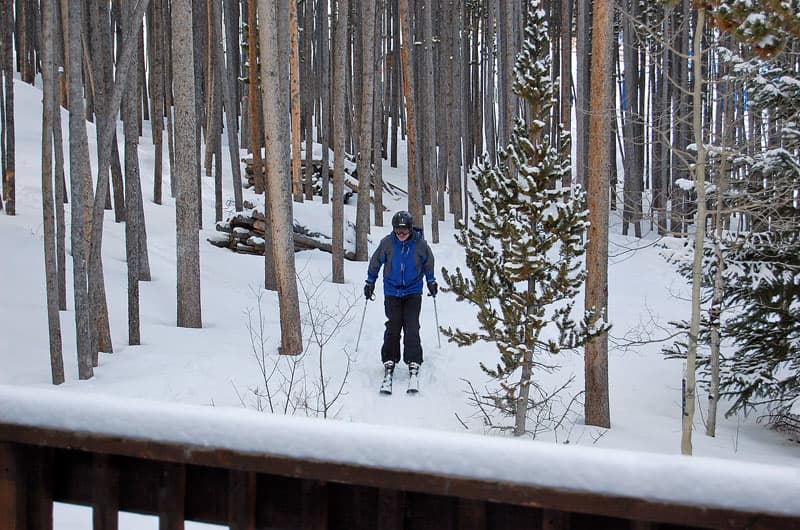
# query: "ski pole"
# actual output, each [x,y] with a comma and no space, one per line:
[362,322]
[436,313]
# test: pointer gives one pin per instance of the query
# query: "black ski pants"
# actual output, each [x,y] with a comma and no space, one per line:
[402,315]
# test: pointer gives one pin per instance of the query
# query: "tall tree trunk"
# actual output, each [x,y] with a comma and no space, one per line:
[365,129]
[429,101]
[187,198]
[157,38]
[228,91]
[583,55]
[79,172]
[48,210]
[565,79]
[596,299]
[633,140]
[325,125]
[699,235]
[8,148]
[294,92]
[97,292]
[278,186]
[338,126]
[377,115]
[715,311]
[415,202]
[133,189]
[60,192]
[255,97]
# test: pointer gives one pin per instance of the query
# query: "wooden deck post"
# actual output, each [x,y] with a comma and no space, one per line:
[12,490]
[242,500]
[39,469]
[105,492]
[172,497]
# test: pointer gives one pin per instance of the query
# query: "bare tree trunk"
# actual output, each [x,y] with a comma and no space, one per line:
[429,101]
[699,235]
[226,79]
[377,121]
[97,292]
[307,101]
[79,171]
[60,194]
[488,74]
[253,88]
[415,202]
[365,129]
[632,126]
[8,147]
[133,190]
[596,300]
[338,126]
[157,40]
[582,89]
[294,92]
[48,211]
[187,198]
[565,79]
[325,126]
[506,49]
[278,186]
[715,311]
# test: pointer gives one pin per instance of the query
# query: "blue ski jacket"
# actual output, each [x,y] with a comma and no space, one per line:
[404,264]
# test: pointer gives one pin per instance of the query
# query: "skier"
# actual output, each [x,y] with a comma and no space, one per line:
[406,258]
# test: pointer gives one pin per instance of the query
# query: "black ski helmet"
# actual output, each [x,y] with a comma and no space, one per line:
[402,219]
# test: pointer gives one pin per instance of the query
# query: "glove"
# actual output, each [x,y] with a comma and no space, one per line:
[369,289]
[433,288]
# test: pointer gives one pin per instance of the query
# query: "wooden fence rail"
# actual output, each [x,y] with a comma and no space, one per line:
[112,470]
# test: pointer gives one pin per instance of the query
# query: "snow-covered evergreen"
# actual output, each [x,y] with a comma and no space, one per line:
[760,363]
[523,247]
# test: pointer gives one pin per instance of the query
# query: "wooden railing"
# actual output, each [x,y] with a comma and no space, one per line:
[176,473]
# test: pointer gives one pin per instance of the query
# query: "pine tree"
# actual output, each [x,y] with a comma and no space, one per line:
[524,244]
[764,279]
[761,364]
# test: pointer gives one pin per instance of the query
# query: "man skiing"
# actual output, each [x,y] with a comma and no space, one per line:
[406,258]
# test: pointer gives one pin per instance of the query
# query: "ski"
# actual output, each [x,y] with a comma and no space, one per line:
[388,372]
[413,378]
[413,384]
[386,385]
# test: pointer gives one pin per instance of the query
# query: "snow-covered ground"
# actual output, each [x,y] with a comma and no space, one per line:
[217,365]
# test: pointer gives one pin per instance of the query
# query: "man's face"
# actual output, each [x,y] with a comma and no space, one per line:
[402,233]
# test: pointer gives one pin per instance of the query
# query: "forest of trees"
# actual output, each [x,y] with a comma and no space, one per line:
[670,94]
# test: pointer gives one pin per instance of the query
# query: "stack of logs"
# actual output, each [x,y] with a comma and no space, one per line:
[245,233]
[350,177]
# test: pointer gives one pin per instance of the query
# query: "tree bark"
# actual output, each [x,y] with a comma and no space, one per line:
[338,126]
[365,129]
[429,101]
[596,407]
[8,148]
[79,172]
[415,202]
[278,185]
[187,197]
[132,192]
[294,93]
[48,210]
[583,57]
[230,109]
[699,235]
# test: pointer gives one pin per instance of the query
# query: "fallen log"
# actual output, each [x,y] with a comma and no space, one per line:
[246,234]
